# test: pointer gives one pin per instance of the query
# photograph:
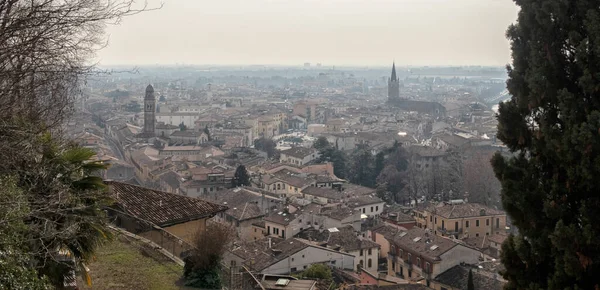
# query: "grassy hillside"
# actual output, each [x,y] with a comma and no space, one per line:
[129,264]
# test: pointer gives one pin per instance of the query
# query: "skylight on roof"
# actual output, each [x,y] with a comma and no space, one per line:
[282,282]
[402,234]
[416,239]
[333,230]
[434,247]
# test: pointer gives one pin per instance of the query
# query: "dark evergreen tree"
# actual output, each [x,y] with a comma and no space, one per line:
[267,145]
[207,132]
[241,177]
[182,127]
[551,123]
[470,285]
[379,162]
[362,169]
[321,143]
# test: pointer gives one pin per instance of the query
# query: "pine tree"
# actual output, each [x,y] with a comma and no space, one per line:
[241,177]
[470,285]
[551,125]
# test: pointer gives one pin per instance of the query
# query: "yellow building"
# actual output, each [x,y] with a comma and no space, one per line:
[461,220]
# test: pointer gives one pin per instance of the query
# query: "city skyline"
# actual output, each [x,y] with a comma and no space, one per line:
[359,33]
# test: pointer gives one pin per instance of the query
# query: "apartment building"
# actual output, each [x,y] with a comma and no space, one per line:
[461,219]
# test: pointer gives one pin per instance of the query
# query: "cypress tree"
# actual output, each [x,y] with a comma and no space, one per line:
[470,284]
[240,177]
[551,124]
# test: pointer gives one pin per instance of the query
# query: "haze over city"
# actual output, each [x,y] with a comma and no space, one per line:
[299,144]
[332,32]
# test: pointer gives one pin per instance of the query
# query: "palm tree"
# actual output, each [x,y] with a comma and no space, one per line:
[66,201]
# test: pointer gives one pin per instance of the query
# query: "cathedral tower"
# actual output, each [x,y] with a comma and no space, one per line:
[393,85]
[149,111]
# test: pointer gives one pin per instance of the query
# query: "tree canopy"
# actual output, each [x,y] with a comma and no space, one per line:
[267,145]
[241,177]
[551,125]
[202,267]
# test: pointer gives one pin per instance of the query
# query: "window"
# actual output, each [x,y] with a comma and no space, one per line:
[364,210]
[409,274]
[369,263]
[283,233]
[255,230]
[293,270]
[487,222]
[477,223]
[333,262]
[497,222]
[467,224]
[436,220]
[268,230]
[477,235]
[302,256]
[304,267]
[376,208]
[361,252]
[371,209]
[430,218]
[442,224]
[456,226]
[369,251]
[418,262]
[487,234]
[278,186]
[292,259]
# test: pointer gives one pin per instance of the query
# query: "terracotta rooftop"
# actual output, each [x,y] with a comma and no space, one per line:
[458,276]
[465,210]
[299,152]
[345,237]
[159,207]
[420,241]
[282,219]
[323,192]
[357,201]
[354,189]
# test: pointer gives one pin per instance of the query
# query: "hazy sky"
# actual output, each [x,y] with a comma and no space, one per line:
[333,32]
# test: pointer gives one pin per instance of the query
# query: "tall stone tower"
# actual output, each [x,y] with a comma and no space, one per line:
[393,85]
[149,111]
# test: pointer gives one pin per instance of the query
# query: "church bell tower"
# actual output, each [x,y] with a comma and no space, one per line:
[149,111]
[393,85]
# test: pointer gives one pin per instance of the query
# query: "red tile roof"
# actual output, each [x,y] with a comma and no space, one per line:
[159,207]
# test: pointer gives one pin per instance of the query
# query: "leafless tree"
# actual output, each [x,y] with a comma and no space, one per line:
[45,52]
[45,48]
[415,183]
[479,180]
[211,244]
